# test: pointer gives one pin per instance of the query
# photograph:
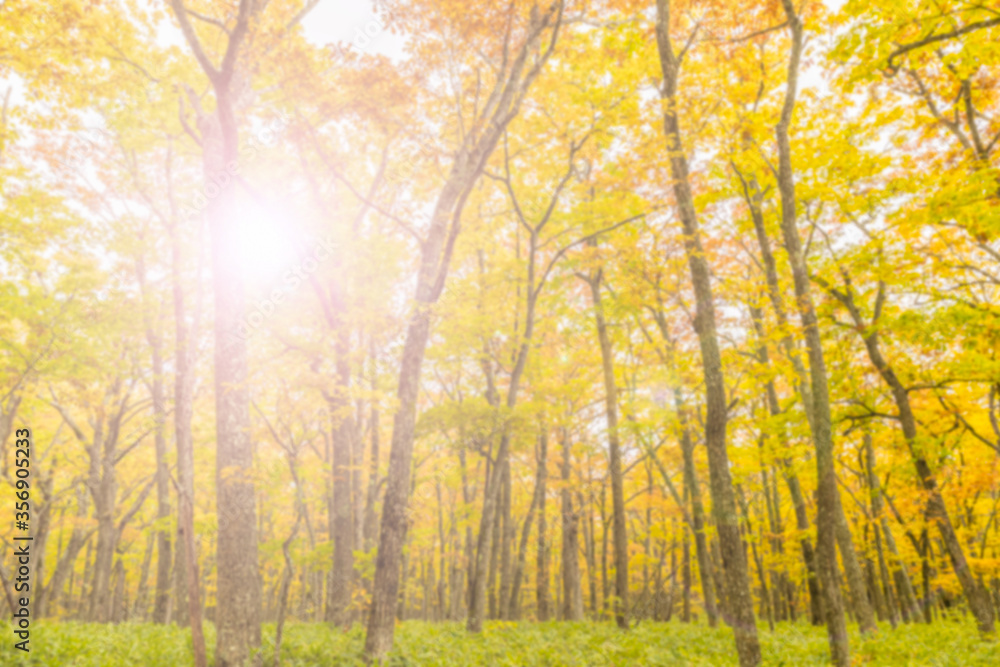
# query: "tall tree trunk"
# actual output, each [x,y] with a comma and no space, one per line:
[286,584]
[605,532]
[436,250]
[904,588]
[855,576]
[116,602]
[342,431]
[693,489]
[64,565]
[494,556]
[140,611]
[772,505]
[188,593]
[161,601]
[43,513]
[371,496]
[740,600]
[522,552]
[572,593]
[85,579]
[765,600]
[237,618]
[497,486]
[456,604]
[695,518]
[542,561]
[828,495]
[774,407]
[875,495]
[103,487]
[590,551]
[614,456]
[508,532]
[442,599]
[686,573]
[468,496]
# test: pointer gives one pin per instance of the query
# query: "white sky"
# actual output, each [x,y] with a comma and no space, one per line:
[346,21]
[330,22]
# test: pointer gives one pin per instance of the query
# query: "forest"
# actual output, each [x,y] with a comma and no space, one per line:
[513,332]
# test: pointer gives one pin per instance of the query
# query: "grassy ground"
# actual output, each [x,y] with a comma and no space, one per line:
[506,644]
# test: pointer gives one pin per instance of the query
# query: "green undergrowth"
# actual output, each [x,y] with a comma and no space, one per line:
[54,644]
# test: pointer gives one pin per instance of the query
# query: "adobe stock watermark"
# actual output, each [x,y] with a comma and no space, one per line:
[224,179]
[360,41]
[83,144]
[292,280]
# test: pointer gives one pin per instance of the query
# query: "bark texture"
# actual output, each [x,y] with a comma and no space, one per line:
[828,496]
[238,608]
[501,107]
[739,598]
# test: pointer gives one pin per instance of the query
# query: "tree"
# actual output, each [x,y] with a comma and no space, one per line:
[485,129]
[238,617]
[738,596]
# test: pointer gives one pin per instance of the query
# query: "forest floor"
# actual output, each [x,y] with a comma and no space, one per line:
[951,643]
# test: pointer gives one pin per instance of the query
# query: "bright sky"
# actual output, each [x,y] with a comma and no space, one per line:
[348,21]
[351,22]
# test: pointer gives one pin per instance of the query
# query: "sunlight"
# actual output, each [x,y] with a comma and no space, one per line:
[265,247]
[613,333]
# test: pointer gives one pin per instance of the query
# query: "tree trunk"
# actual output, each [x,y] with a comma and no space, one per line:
[494,556]
[103,489]
[237,618]
[855,576]
[508,532]
[436,249]
[740,600]
[85,580]
[456,603]
[774,408]
[697,513]
[140,611]
[188,598]
[772,504]
[719,581]
[64,566]
[875,494]
[590,552]
[765,598]
[572,602]
[614,457]
[522,552]
[904,588]
[497,486]
[605,531]
[43,514]
[686,574]
[371,496]
[161,601]
[828,496]
[116,604]
[542,562]
[342,430]
[937,511]
[286,583]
